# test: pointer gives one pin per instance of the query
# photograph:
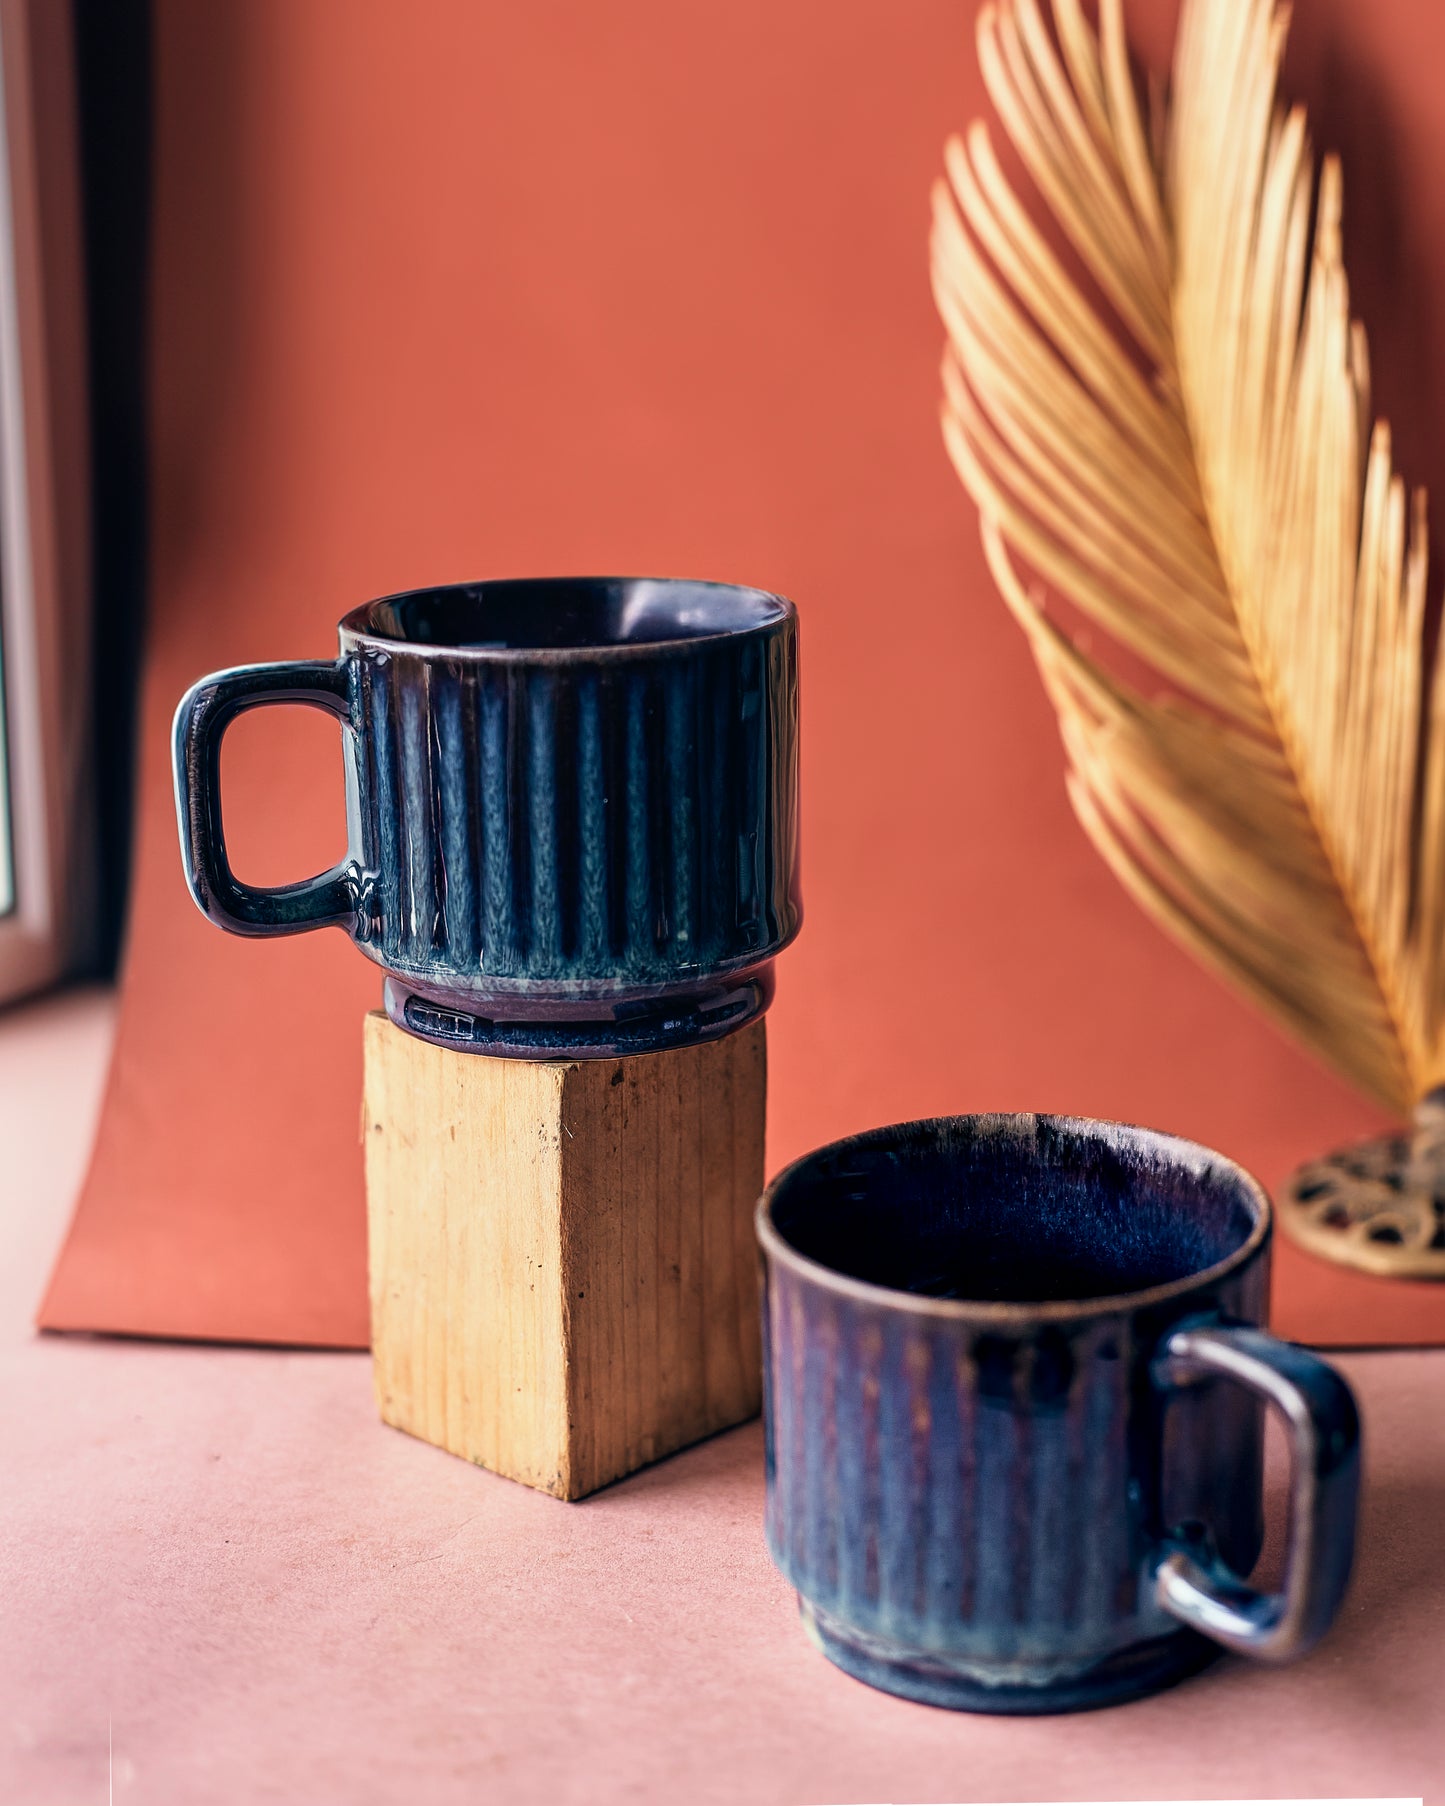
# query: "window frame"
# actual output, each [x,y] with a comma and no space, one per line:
[45,657]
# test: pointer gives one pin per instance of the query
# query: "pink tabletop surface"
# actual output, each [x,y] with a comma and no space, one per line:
[215,1562]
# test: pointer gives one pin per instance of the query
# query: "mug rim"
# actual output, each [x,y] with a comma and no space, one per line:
[775,1246]
[354,628]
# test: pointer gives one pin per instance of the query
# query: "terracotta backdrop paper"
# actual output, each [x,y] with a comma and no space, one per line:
[458,289]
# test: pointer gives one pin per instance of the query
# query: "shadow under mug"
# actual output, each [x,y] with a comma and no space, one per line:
[1014,1388]
[571,808]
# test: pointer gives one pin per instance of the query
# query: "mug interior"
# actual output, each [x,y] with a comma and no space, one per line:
[561,613]
[1016,1209]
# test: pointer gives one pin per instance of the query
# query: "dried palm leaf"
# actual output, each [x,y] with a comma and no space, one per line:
[1186,458]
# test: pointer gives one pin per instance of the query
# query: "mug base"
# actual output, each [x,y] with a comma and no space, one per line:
[515,1029]
[934,1680]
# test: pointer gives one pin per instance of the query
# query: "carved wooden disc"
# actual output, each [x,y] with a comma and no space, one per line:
[1378,1206]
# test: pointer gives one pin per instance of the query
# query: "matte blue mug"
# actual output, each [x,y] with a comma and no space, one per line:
[1014,1385]
[571,805]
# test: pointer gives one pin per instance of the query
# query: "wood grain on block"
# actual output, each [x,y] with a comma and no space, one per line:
[563,1274]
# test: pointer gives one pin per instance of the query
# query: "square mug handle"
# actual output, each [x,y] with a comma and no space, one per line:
[1324,1431]
[206,710]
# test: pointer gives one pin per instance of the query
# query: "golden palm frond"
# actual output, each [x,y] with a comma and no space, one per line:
[1187,459]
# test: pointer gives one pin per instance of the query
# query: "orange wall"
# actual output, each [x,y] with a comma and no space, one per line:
[455,289]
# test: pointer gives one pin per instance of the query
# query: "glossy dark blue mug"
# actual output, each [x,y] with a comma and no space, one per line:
[1014,1386]
[572,808]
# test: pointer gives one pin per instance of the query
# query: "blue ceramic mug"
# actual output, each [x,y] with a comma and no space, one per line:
[1014,1389]
[571,805]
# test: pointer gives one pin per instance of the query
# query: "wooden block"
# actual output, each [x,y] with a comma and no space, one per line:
[563,1271]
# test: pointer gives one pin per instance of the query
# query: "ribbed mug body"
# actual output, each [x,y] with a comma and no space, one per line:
[971,1499]
[977,1507]
[576,831]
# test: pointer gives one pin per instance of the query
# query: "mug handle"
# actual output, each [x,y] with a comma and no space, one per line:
[206,710]
[1324,1430]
